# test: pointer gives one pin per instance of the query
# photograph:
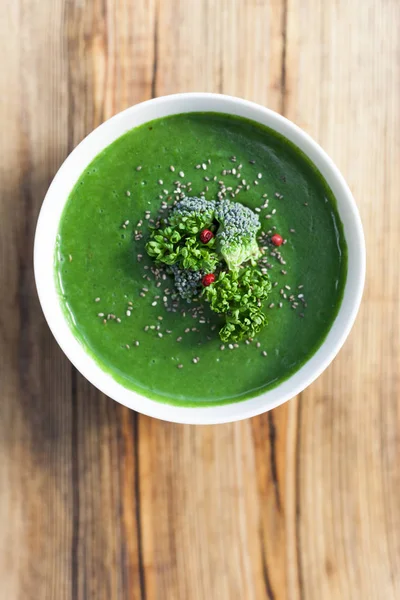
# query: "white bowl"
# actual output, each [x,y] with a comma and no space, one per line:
[57,196]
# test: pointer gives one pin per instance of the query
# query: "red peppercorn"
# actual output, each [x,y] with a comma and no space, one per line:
[206,235]
[208,279]
[277,239]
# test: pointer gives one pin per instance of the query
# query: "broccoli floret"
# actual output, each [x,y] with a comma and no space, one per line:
[187,282]
[192,214]
[237,234]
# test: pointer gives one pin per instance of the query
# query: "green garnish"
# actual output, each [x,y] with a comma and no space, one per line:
[237,288]
[238,296]
[179,243]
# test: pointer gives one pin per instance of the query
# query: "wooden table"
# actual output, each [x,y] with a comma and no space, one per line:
[97,502]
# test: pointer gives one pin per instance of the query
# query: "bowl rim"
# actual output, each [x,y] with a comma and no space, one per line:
[45,240]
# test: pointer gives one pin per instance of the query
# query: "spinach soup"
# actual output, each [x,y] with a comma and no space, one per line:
[201,259]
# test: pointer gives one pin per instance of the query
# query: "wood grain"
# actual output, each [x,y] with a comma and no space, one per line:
[98,502]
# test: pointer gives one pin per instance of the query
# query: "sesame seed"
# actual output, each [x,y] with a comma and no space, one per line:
[118,320]
[204,166]
[259,175]
[70,258]
[172,168]
[292,230]
[233,171]
[179,339]
[97,299]
[154,303]
[271,305]
[287,287]
[137,343]
[264,353]
[128,313]
[230,346]
[100,315]
[300,287]
[300,296]
[187,329]
[280,304]
[160,181]
[139,168]
[258,345]
[160,335]
[222,347]
[127,346]
[180,366]
[195,360]
[128,193]
[181,174]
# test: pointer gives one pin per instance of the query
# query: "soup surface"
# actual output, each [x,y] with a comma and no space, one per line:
[117,309]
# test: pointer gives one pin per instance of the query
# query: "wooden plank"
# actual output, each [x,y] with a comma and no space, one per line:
[98,502]
[343,83]
[110,48]
[216,51]
[35,447]
[66,451]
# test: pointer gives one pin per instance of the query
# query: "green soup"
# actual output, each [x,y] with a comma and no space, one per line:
[102,268]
